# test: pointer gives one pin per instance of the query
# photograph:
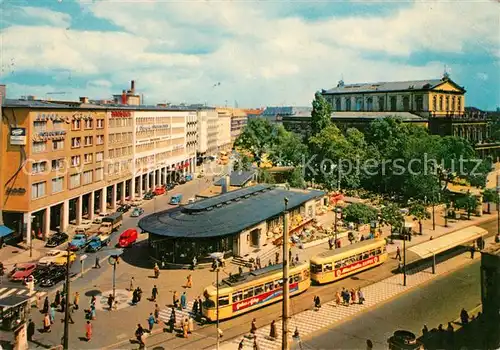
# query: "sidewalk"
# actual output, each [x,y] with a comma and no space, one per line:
[329,314]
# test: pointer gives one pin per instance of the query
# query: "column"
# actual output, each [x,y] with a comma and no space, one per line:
[165,171]
[148,187]
[153,186]
[27,221]
[124,187]
[64,216]
[113,197]
[132,188]
[46,224]
[104,200]
[91,205]
[79,203]
[140,190]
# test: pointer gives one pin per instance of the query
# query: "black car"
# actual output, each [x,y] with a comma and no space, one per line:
[182,181]
[56,275]
[40,273]
[56,239]
[171,186]
[124,208]
[149,195]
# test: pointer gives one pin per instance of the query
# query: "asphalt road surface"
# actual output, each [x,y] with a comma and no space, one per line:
[438,302]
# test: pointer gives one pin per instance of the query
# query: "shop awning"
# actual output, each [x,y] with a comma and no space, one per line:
[449,241]
[5,231]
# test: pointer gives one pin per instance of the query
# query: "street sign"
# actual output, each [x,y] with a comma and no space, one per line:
[83,257]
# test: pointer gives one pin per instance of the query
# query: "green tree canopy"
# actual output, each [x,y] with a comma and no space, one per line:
[321,114]
[391,215]
[360,213]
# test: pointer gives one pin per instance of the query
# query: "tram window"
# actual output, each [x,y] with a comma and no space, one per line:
[258,290]
[338,264]
[372,253]
[306,274]
[290,280]
[316,268]
[224,300]
[238,296]
[278,284]
[327,267]
[296,278]
[379,251]
[268,286]
[365,256]
[359,257]
[248,293]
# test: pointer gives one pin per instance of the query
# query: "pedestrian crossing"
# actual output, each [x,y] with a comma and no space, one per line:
[310,321]
[179,314]
[6,292]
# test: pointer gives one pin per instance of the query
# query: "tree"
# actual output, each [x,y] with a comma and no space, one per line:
[490,196]
[468,202]
[265,176]
[257,138]
[287,148]
[296,178]
[243,162]
[321,114]
[391,215]
[419,212]
[360,213]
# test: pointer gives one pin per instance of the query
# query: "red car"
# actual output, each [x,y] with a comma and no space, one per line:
[22,271]
[160,190]
[127,238]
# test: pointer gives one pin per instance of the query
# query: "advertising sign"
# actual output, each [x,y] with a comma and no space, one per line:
[18,136]
[263,298]
[356,266]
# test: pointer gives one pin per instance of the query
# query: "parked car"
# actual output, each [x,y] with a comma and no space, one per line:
[55,276]
[149,195]
[78,242]
[182,180]
[56,239]
[99,217]
[111,223]
[137,212]
[176,199]
[40,272]
[124,208]
[22,271]
[191,200]
[189,177]
[85,224]
[171,186]
[127,238]
[97,242]
[57,257]
[137,202]
[160,190]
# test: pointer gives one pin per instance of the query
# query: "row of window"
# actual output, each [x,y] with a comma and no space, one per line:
[456,104]
[60,163]
[260,289]
[39,190]
[120,137]
[88,124]
[316,268]
[120,152]
[57,145]
[120,122]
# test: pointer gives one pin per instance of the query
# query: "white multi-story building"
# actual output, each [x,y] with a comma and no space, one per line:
[208,125]
[224,131]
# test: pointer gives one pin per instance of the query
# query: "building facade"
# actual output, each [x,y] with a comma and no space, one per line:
[207,125]
[224,132]
[490,294]
[239,120]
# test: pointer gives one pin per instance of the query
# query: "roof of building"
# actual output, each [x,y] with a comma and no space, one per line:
[253,111]
[226,214]
[388,86]
[214,190]
[287,111]
[238,178]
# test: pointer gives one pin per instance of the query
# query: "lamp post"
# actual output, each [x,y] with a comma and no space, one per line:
[286,286]
[66,307]
[404,260]
[217,301]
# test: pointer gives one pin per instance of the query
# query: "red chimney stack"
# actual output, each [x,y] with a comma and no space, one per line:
[124,97]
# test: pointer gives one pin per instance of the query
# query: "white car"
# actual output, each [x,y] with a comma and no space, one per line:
[51,257]
[99,217]
[85,225]
[137,202]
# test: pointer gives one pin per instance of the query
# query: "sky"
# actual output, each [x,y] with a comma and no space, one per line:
[244,53]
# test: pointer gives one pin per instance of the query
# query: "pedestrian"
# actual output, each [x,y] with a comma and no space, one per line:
[183,301]
[369,344]
[2,272]
[175,299]
[290,255]
[31,329]
[139,332]
[63,303]
[46,323]
[450,336]
[157,313]
[200,305]
[330,243]
[88,331]
[270,263]
[189,282]
[93,300]
[195,307]
[39,302]
[255,345]
[76,301]
[361,296]
[156,270]
[131,288]
[277,257]
[464,317]
[135,298]
[253,327]
[193,263]
[338,299]
[97,263]
[154,293]
[353,296]
[497,238]
[240,270]
[347,297]
[52,313]
[57,299]
[273,332]
[45,305]
[297,258]
[398,253]
[139,294]
[317,302]
[472,251]
[171,321]
[110,301]
[425,330]
[191,327]
[241,344]
[93,312]
[185,328]
[151,321]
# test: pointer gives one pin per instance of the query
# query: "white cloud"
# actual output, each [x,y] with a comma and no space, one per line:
[259,58]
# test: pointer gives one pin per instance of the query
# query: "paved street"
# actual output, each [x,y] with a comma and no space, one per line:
[438,302]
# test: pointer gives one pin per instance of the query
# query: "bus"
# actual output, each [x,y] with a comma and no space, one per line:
[239,294]
[336,264]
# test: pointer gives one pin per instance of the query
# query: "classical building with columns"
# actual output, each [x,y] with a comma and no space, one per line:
[65,162]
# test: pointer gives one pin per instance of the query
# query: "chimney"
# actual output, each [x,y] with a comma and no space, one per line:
[132,86]
[84,99]
[124,97]
[3,94]
[225,184]
[31,98]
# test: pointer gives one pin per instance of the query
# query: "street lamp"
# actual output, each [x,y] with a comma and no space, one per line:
[66,307]
[337,212]
[217,259]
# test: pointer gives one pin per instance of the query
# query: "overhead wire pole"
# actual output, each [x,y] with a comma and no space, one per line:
[286,285]
[66,307]
[217,302]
